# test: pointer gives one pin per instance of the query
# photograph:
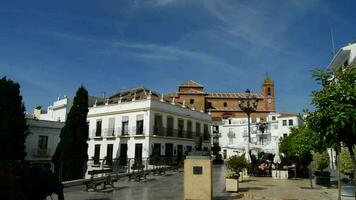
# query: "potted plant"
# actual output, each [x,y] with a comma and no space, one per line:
[235,165]
[321,162]
[348,188]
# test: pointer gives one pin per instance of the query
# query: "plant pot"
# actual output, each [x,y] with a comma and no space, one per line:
[322,177]
[322,180]
[232,185]
[280,174]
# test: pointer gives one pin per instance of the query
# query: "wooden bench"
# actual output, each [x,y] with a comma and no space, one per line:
[105,180]
[158,170]
[138,174]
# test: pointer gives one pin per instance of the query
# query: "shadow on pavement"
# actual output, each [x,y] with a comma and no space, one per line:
[250,188]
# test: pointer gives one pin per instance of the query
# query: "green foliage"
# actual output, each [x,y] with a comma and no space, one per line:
[345,162]
[71,153]
[297,148]
[13,128]
[300,143]
[236,163]
[334,117]
[321,160]
[232,175]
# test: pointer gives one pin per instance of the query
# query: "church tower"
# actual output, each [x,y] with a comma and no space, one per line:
[267,90]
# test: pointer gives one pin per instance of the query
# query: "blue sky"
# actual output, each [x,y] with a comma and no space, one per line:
[51,47]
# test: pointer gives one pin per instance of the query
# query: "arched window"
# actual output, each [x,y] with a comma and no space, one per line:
[269,91]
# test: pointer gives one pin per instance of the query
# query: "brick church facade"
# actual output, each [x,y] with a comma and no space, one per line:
[224,105]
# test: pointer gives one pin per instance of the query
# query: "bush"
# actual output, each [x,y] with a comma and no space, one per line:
[346,163]
[236,163]
[322,173]
[232,175]
[321,161]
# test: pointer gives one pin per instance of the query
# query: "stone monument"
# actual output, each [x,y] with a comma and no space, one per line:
[198,174]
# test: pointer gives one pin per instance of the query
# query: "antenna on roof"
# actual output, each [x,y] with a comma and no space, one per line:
[332,41]
[104,95]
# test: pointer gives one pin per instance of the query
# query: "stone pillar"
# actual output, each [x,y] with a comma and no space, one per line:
[198,183]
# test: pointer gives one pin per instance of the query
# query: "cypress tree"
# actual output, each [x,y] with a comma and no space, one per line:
[13,128]
[71,153]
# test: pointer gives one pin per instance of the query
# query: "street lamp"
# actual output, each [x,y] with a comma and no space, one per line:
[262,126]
[248,105]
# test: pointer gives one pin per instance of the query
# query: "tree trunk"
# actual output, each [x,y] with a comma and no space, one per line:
[338,173]
[350,147]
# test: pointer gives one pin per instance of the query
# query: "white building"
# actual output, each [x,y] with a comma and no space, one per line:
[59,109]
[130,124]
[42,140]
[234,133]
[345,56]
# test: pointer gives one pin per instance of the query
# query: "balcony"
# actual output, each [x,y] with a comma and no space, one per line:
[41,153]
[178,133]
[109,132]
[231,134]
[94,133]
[137,131]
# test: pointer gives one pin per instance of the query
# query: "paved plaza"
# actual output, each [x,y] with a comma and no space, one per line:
[170,186]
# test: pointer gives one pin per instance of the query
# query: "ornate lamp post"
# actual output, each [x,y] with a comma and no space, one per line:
[262,126]
[248,105]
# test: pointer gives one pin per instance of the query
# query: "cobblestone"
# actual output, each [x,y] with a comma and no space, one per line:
[170,186]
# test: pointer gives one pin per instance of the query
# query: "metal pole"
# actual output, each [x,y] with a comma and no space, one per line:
[248,124]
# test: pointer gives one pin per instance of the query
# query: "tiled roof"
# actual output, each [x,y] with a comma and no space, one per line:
[191,90]
[137,93]
[284,114]
[229,109]
[191,83]
[232,95]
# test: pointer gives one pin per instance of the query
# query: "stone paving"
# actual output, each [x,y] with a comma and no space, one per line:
[170,186]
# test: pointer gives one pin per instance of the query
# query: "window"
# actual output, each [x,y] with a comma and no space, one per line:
[229,121]
[111,130]
[225,104]
[180,127]
[197,129]
[170,126]
[139,127]
[97,154]
[189,129]
[269,91]
[157,128]
[290,122]
[191,101]
[284,122]
[206,132]
[42,141]
[285,135]
[215,129]
[109,153]
[273,118]
[125,128]
[98,128]
[209,105]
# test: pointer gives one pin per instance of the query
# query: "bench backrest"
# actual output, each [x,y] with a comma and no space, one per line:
[99,171]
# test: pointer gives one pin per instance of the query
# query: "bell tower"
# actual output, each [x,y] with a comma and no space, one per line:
[267,90]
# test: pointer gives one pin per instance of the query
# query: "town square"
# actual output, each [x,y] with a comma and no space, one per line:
[178,99]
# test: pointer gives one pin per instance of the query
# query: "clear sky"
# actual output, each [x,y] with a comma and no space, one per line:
[51,47]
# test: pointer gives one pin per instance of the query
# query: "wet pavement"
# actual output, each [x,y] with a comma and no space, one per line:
[170,186]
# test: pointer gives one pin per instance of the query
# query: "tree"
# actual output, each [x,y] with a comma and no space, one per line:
[298,146]
[334,118]
[346,163]
[71,153]
[13,132]
[13,128]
